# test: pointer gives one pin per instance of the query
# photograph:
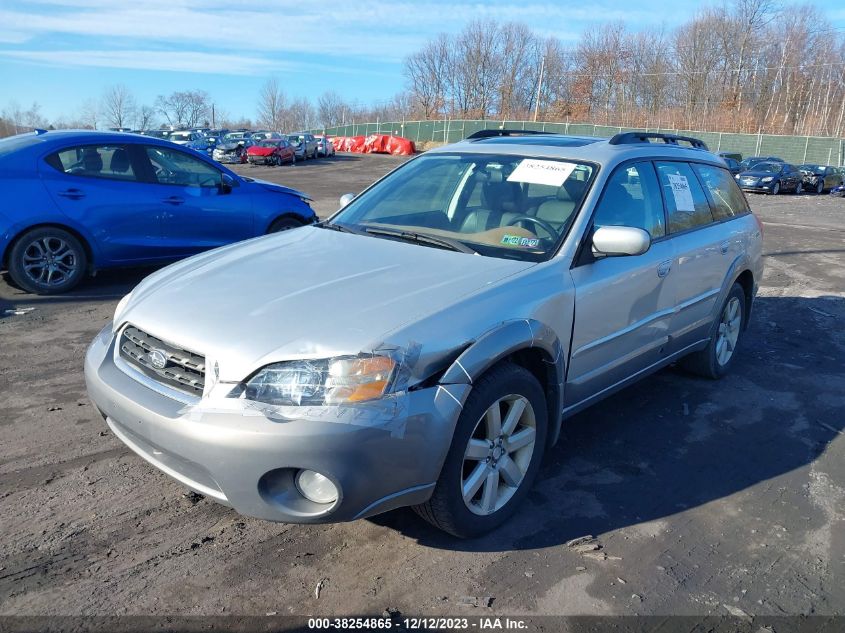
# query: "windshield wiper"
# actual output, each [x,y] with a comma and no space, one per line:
[341,228]
[424,238]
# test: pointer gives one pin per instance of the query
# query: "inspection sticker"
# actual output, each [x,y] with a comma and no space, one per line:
[681,192]
[541,172]
[516,240]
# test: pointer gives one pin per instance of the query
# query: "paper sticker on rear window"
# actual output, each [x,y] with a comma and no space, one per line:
[681,192]
[541,172]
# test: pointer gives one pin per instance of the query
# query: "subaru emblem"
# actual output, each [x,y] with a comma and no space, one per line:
[157,358]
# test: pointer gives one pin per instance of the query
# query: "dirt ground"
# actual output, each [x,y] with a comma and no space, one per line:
[705,498]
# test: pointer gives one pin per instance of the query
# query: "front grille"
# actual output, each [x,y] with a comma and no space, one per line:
[182,370]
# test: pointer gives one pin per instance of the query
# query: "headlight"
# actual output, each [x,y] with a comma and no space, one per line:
[322,382]
[767,179]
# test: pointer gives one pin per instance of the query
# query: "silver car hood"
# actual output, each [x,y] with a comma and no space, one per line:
[306,293]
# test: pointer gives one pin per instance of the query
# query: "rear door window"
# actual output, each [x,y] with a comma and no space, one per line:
[94,161]
[726,199]
[686,204]
[632,198]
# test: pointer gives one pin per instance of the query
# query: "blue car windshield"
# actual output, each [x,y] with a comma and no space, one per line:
[508,206]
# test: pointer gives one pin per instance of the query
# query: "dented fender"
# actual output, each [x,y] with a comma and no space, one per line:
[506,339]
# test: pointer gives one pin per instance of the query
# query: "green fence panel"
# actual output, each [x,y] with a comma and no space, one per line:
[795,149]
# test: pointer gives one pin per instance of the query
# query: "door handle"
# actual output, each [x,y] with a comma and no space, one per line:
[73,194]
[663,268]
[174,200]
[724,246]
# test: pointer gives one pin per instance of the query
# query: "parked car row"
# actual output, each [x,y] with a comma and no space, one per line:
[773,175]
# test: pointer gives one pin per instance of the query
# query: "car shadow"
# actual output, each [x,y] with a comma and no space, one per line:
[675,441]
[107,285]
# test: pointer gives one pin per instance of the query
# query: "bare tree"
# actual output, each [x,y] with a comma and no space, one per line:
[118,106]
[301,115]
[272,106]
[331,109]
[187,108]
[145,117]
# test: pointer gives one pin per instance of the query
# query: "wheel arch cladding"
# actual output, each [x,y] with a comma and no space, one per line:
[746,280]
[86,244]
[525,342]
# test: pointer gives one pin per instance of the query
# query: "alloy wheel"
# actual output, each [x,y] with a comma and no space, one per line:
[498,454]
[728,333]
[50,261]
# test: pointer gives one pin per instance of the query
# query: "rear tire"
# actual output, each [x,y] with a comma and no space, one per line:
[47,261]
[284,224]
[716,360]
[488,472]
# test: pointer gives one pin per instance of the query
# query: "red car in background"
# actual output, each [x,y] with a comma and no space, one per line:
[271,152]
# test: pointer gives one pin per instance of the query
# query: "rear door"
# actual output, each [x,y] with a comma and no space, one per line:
[197,212]
[623,305]
[99,187]
[696,196]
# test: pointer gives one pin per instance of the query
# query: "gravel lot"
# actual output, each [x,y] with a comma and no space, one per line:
[703,497]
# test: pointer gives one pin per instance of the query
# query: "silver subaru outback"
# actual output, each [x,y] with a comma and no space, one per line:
[424,345]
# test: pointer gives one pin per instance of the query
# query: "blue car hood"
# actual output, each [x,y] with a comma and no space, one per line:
[271,186]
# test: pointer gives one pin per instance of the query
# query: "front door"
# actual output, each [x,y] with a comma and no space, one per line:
[197,212]
[623,305]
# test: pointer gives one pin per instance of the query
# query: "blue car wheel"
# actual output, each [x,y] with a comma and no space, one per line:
[47,261]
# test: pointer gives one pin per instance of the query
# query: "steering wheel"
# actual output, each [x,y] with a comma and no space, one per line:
[548,228]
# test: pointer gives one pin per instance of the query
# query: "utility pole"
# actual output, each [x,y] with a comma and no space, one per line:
[539,87]
[213,126]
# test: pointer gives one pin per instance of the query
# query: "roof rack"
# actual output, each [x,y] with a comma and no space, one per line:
[497,132]
[626,138]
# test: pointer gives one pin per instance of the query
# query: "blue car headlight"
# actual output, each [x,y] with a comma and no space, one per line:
[767,179]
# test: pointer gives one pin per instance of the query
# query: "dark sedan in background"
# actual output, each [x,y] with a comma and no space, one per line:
[820,178]
[76,202]
[772,178]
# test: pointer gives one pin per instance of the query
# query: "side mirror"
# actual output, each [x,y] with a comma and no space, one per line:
[227,183]
[346,199]
[615,241]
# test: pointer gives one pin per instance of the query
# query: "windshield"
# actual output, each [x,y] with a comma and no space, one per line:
[269,143]
[181,136]
[769,168]
[233,137]
[503,206]
[296,140]
[810,167]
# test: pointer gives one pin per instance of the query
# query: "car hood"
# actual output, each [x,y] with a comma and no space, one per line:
[306,293]
[756,174]
[230,145]
[272,186]
[260,151]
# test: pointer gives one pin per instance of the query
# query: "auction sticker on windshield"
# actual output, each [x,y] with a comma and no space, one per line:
[541,172]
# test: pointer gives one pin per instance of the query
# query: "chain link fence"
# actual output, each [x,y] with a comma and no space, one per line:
[794,149]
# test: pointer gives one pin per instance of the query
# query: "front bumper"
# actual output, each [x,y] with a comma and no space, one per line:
[258,160]
[227,158]
[235,453]
[758,187]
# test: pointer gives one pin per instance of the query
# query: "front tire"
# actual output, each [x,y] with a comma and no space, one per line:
[495,454]
[47,261]
[776,189]
[820,187]
[716,360]
[284,224]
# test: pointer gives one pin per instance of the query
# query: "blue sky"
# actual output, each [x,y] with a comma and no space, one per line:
[59,53]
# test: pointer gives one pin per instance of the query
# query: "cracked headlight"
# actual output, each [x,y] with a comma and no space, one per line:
[322,382]
[767,179]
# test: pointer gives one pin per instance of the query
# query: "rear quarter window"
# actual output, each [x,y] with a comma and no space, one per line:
[726,199]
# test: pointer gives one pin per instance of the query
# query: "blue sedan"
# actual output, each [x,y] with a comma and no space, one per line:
[76,202]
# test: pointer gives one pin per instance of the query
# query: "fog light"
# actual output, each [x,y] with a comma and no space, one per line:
[315,487]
